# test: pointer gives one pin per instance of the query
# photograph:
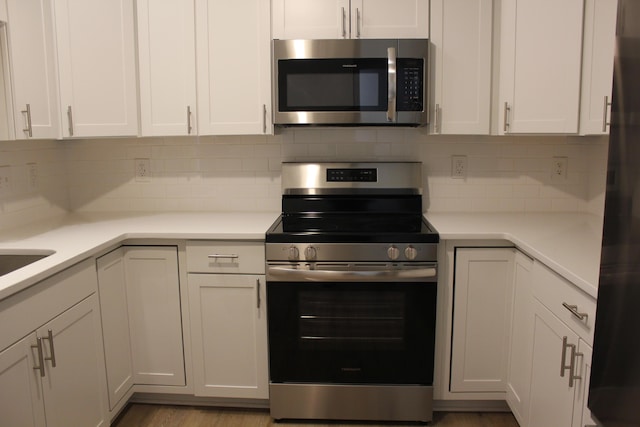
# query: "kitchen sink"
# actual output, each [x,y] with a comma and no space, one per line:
[13,260]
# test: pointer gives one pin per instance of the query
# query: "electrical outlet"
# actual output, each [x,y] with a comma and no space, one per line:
[142,170]
[32,176]
[559,168]
[5,180]
[458,166]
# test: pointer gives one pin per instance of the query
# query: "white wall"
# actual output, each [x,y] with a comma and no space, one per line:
[19,202]
[243,173]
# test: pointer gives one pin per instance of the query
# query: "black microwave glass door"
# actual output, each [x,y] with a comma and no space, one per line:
[351,333]
[333,84]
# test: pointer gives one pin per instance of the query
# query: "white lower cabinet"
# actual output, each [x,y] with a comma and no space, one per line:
[54,376]
[229,335]
[228,319]
[142,318]
[481,316]
[520,339]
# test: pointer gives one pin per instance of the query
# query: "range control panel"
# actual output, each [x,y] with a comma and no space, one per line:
[352,175]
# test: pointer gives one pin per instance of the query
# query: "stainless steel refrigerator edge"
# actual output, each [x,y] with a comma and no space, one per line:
[614,395]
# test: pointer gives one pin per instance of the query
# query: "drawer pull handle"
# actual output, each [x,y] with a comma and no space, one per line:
[52,351]
[227,256]
[574,310]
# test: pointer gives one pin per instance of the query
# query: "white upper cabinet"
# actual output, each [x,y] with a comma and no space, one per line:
[334,19]
[461,37]
[6,124]
[233,67]
[540,64]
[597,65]
[3,10]
[96,57]
[32,64]
[167,66]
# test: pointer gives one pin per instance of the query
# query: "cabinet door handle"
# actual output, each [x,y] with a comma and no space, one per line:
[572,361]
[506,117]
[344,24]
[358,22]
[218,256]
[574,310]
[29,128]
[189,127]
[258,293]
[573,375]
[436,117]
[52,351]
[40,366]
[70,116]
[605,123]
[264,118]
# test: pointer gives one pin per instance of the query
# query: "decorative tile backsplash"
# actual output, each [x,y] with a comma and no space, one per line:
[242,173]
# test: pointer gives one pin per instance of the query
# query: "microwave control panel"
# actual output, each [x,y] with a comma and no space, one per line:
[410,85]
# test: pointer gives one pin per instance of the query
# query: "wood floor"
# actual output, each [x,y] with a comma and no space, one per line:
[143,415]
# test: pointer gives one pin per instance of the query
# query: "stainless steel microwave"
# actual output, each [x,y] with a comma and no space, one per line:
[351,82]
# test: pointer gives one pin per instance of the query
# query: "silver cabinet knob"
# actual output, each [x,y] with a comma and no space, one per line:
[393,252]
[310,253]
[410,253]
[294,253]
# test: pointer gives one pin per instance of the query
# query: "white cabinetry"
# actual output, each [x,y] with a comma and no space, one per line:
[6,118]
[112,287]
[54,375]
[321,19]
[540,64]
[228,319]
[562,333]
[3,10]
[520,339]
[32,63]
[597,65]
[481,317]
[153,297]
[167,67]
[96,59]
[461,35]
[234,77]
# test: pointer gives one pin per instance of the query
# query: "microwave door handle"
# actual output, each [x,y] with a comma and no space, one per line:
[391,96]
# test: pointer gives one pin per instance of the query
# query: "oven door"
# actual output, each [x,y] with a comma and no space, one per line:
[352,332]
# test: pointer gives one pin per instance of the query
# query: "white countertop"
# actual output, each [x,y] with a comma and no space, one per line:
[75,237]
[568,243]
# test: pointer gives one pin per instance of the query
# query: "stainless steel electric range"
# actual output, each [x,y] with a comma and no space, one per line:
[351,294]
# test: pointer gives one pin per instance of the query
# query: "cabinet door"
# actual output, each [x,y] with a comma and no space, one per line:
[597,65]
[112,286]
[167,66]
[6,117]
[33,74]
[229,335]
[552,398]
[234,72]
[96,59]
[520,339]
[390,19]
[153,295]
[581,413]
[541,47]
[311,19]
[482,296]
[21,402]
[461,36]
[3,10]
[75,389]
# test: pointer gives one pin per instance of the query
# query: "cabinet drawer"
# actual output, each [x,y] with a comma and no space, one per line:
[33,307]
[565,300]
[225,257]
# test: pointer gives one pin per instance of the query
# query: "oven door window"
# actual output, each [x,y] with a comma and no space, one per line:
[354,333]
[332,85]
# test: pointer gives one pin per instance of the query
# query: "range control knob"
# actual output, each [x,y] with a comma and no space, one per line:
[294,253]
[410,253]
[310,253]
[393,252]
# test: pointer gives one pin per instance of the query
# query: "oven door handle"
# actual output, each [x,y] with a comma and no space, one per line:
[287,274]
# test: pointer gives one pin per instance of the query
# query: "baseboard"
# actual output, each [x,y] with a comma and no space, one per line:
[470,406]
[179,399]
